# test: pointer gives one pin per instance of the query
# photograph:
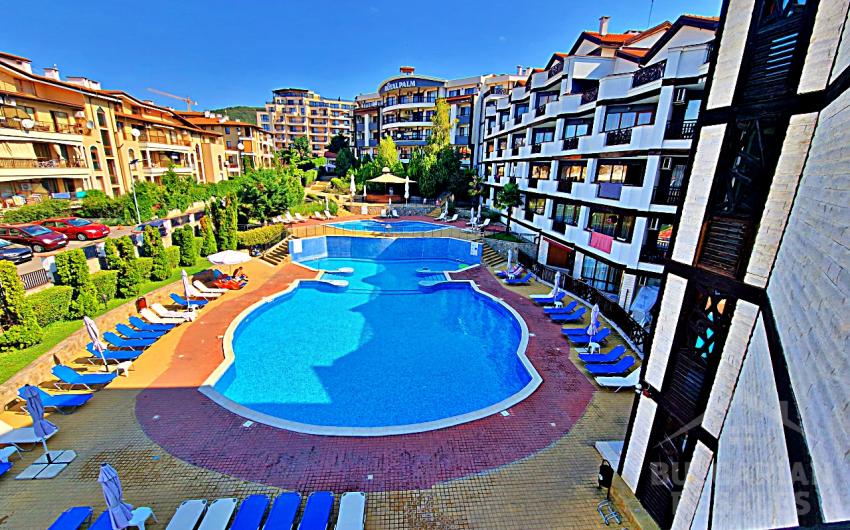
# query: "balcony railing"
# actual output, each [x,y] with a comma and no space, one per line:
[532,182]
[656,253]
[649,74]
[515,150]
[42,126]
[540,110]
[518,118]
[669,195]
[163,139]
[590,95]
[565,186]
[536,148]
[680,130]
[556,69]
[618,137]
[30,163]
[609,190]
[570,143]
[528,215]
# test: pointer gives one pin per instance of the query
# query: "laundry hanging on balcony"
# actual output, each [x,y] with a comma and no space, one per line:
[601,242]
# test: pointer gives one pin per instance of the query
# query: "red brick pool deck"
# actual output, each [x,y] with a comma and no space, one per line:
[188,425]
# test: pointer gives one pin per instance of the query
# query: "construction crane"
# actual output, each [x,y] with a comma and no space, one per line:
[188,101]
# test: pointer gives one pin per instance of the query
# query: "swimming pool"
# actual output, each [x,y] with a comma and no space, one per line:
[370,225]
[382,355]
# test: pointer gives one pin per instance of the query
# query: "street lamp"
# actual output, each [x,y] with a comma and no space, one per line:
[135,133]
[241,147]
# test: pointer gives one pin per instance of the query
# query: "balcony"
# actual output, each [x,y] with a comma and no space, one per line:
[667,195]
[655,253]
[680,130]
[536,148]
[518,118]
[528,215]
[589,96]
[570,143]
[565,186]
[649,74]
[618,137]
[540,111]
[532,182]
[41,163]
[610,190]
[515,150]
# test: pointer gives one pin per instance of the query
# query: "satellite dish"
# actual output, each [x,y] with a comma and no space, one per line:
[27,124]
[135,132]
[89,124]
[80,114]
[240,146]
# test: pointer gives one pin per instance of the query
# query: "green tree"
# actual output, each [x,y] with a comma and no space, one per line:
[184,239]
[176,190]
[419,169]
[154,249]
[225,217]
[387,155]
[447,172]
[209,245]
[129,276]
[298,153]
[262,194]
[110,255]
[20,327]
[476,185]
[338,143]
[440,128]
[345,160]
[72,269]
[508,199]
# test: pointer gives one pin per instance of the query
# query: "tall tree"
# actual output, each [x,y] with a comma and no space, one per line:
[387,155]
[508,199]
[345,160]
[338,143]
[440,128]
[476,184]
[446,172]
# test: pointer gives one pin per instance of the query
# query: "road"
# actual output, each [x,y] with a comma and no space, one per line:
[35,263]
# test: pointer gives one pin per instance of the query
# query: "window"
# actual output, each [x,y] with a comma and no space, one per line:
[463,130]
[463,111]
[546,97]
[520,110]
[101,118]
[500,171]
[611,223]
[264,117]
[453,93]
[518,140]
[536,205]
[229,144]
[601,275]
[540,136]
[573,171]
[95,159]
[577,127]
[626,117]
[626,173]
[566,213]
[539,171]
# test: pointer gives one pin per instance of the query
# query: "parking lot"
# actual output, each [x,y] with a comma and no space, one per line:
[35,263]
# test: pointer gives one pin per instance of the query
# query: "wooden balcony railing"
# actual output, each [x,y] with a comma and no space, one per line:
[30,163]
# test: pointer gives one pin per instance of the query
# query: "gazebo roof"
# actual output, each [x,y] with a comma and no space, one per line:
[388,178]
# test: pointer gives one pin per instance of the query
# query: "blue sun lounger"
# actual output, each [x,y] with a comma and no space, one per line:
[569,317]
[131,344]
[317,511]
[520,281]
[131,333]
[69,377]
[72,518]
[117,356]
[283,512]
[581,340]
[101,523]
[610,357]
[60,402]
[569,308]
[547,300]
[507,272]
[186,304]
[250,513]
[141,325]
[5,467]
[618,368]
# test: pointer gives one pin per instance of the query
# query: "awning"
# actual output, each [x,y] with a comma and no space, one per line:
[20,150]
[388,178]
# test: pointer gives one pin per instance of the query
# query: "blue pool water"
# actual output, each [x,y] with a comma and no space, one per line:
[369,225]
[380,353]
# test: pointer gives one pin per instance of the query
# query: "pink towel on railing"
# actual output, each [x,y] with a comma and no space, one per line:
[601,242]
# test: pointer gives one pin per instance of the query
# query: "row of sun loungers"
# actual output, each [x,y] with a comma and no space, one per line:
[288,218]
[256,512]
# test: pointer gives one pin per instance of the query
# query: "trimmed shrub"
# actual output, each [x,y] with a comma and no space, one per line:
[72,269]
[40,210]
[144,266]
[106,283]
[154,248]
[261,236]
[209,245]
[184,239]
[111,256]
[22,329]
[172,255]
[129,276]
[52,304]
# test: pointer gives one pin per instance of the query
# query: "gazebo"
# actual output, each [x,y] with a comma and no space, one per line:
[386,177]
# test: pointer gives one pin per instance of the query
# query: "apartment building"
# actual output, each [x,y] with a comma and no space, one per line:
[66,135]
[598,142]
[294,112]
[403,108]
[742,417]
[245,144]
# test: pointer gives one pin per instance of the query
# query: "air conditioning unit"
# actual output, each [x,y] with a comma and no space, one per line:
[667,162]
[680,96]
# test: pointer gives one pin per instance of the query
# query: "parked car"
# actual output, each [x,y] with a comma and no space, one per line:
[17,254]
[159,224]
[38,238]
[76,227]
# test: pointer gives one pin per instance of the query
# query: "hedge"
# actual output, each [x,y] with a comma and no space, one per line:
[72,269]
[52,304]
[34,212]
[261,236]
[106,283]
[145,265]
[172,254]
[22,329]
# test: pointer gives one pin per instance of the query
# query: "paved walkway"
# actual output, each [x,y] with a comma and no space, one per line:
[533,469]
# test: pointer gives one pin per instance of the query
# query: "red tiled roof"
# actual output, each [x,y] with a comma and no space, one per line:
[13,57]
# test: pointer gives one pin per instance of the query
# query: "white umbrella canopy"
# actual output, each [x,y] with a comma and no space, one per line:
[351,186]
[557,283]
[479,212]
[94,335]
[229,257]
[40,426]
[186,289]
[593,328]
[120,513]
[510,258]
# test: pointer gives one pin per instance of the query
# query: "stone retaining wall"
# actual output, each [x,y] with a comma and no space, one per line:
[502,247]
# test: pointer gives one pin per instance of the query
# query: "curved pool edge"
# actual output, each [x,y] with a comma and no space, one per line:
[208,388]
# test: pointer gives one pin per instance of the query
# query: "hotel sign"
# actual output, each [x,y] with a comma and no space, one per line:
[408,82]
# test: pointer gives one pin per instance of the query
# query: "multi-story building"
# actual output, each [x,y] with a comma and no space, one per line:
[244,143]
[742,420]
[403,108]
[59,136]
[597,142]
[294,112]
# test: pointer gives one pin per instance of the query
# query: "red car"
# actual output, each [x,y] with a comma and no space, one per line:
[38,238]
[80,229]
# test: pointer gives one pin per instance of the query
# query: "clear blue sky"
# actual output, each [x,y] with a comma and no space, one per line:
[234,52]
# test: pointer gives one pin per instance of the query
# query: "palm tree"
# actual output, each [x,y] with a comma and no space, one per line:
[508,199]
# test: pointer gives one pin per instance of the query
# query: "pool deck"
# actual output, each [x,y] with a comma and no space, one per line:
[534,468]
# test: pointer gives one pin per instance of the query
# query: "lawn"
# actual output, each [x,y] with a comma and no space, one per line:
[13,361]
[504,236]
